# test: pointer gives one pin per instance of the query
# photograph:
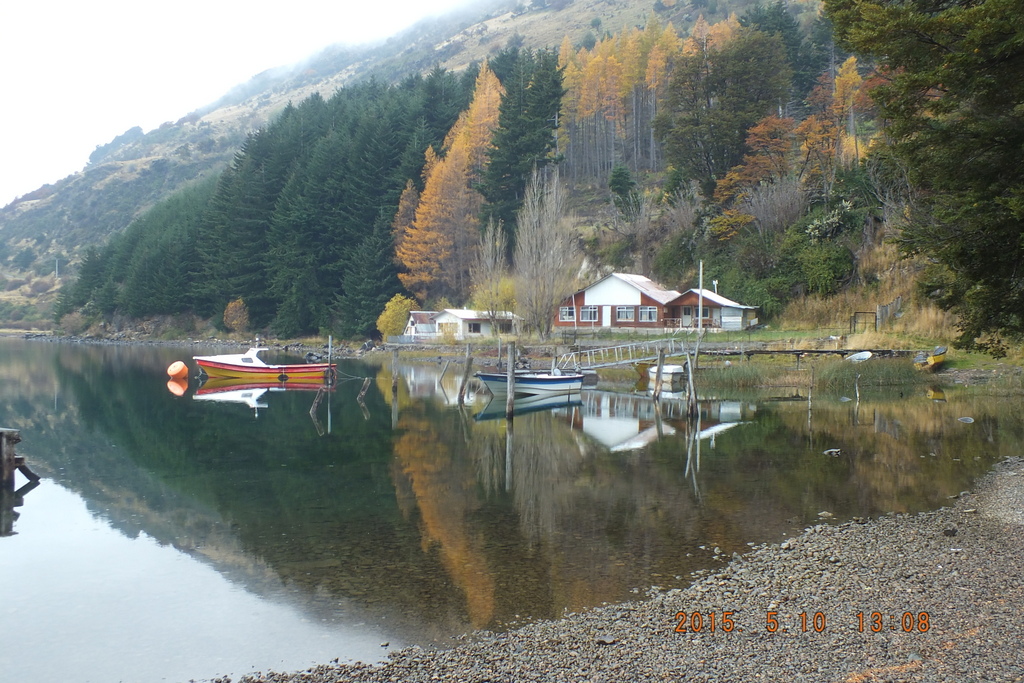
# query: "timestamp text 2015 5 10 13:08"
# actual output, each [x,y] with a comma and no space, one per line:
[802,622]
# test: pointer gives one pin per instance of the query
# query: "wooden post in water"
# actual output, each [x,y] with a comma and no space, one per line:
[657,374]
[810,392]
[10,462]
[510,394]
[465,374]
[394,372]
[362,392]
[692,409]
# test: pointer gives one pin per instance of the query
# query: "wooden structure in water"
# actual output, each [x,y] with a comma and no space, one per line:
[650,351]
[10,463]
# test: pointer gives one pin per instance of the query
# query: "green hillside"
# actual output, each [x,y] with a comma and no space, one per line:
[741,137]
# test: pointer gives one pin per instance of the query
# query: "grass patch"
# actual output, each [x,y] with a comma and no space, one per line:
[826,373]
[835,374]
[744,375]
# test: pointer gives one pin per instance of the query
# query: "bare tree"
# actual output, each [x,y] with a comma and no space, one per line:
[547,255]
[682,215]
[636,224]
[775,206]
[491,292]
[891,184]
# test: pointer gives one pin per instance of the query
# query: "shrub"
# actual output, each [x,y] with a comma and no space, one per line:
[236,316]
[74,323]
[392,320]
[41,285]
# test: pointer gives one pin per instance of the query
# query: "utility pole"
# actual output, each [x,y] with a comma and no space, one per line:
[700,300]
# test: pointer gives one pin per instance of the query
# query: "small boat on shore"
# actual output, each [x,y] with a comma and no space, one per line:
[859,357]
[250,365]
[554,382]
[930,362]
[671,375]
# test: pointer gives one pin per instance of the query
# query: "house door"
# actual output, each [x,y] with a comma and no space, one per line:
[606,316]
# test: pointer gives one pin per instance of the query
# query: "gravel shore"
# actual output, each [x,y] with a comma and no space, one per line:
[941,596]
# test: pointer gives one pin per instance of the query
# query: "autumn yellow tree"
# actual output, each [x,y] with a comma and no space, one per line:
[817,139]
[393,319]
[406,214]
[438,247]
[844,100]
[611,98]
[828,137]
[763,194]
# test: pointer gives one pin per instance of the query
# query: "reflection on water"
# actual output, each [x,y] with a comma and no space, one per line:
[410,519]
[92,603]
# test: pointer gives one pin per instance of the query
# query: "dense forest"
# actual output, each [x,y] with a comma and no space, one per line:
[754,145]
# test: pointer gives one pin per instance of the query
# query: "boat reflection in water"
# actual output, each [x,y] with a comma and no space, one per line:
[251,393]
[531,403]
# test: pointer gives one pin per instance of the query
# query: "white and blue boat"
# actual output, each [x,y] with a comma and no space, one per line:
[554,382]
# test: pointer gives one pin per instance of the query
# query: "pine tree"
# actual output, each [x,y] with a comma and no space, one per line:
[369,284]
[952,103]
[776,18]
[721,88]
[525,138]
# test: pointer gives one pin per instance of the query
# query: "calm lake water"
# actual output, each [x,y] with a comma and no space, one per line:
[175,538]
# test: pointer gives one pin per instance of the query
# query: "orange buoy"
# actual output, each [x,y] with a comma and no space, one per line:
[177,370]
[178,387]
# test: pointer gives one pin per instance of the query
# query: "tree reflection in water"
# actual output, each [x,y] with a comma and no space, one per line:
[412,513]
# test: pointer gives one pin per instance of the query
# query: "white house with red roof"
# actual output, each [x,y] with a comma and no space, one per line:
[626,300]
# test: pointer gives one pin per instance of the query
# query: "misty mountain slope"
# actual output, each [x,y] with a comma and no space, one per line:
[126,176]
[133,172]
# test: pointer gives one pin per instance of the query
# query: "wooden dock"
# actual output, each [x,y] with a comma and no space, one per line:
[649,352]
[803,353]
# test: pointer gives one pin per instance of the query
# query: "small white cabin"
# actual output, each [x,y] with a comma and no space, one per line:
[420,326]
[463,323]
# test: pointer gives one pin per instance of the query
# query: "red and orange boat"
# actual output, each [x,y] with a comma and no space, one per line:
[250,365]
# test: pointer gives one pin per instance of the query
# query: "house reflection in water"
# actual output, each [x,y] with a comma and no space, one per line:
[624,422]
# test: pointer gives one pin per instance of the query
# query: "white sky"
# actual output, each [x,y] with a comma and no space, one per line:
[75,74]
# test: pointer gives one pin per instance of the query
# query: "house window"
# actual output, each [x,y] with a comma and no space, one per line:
[566,314]
[687,311]
[588,314]
[474,328]
[624,313]
[648,314]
